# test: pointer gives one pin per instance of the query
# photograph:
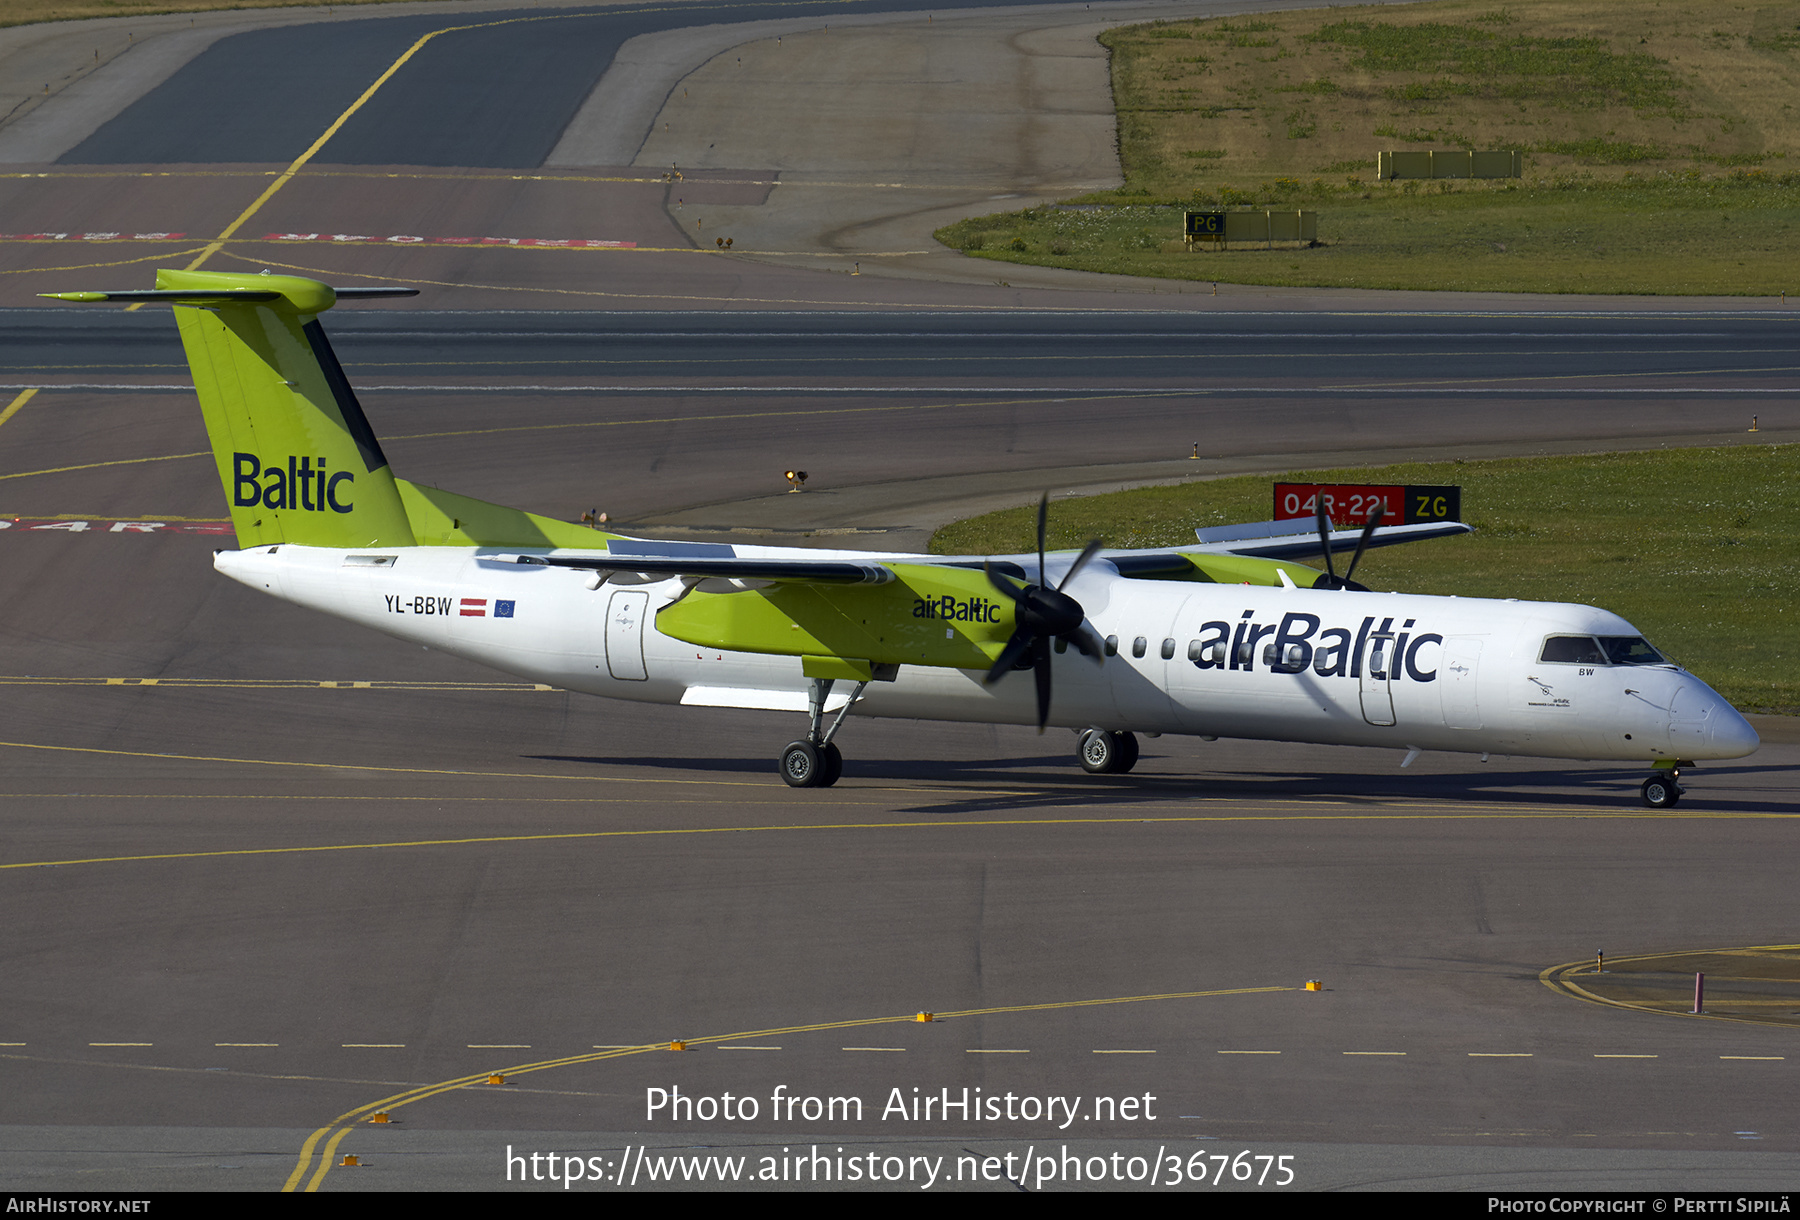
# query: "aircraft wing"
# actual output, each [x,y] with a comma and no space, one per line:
[710,560]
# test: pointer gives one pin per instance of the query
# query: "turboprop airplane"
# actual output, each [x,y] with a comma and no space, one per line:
[1224,638]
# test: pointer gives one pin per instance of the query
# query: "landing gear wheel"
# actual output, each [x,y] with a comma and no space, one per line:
[1104,753]
[1661,792]
[804,765]
[801,765]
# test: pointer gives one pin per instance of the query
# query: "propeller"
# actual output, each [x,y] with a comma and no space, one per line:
[1040,615]
[1331,580]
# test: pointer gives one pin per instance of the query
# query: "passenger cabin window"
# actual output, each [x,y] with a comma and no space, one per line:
[1168,650]
[1139,646]
[1112,645]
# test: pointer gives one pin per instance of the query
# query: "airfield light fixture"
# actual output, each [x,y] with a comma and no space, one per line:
[795,478]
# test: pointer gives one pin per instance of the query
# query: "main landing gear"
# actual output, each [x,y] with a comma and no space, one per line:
[1663,790]
[1107,753]
[815,762]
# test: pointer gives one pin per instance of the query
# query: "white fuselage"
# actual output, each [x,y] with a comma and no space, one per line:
[1330,667]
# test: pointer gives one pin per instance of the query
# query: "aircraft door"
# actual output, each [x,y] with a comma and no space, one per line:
[1377,696]
[625,613]
[1456,682]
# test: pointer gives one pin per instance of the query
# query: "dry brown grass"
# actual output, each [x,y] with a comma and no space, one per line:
[1595,87]
[25,12]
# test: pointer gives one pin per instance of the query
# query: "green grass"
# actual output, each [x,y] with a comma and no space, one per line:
[1654,137]
[1695,546]
[1733,234]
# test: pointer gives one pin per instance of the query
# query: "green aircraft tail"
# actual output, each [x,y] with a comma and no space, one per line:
[294,450]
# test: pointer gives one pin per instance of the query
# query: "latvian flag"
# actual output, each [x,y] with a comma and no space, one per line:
[474,607]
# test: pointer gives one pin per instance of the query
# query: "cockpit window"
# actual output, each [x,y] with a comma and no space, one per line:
[1572,650]
[1603,650]
[1630,650]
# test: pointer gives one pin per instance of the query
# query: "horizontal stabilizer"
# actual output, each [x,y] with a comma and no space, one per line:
[1295,539]
[202,298]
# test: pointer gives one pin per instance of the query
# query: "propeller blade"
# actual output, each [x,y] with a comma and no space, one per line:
[1089,643]
[1008,659]
[1043,519]
[1005,586]
[1368,532]
[1040,648]
[1325,538]
[1087,553]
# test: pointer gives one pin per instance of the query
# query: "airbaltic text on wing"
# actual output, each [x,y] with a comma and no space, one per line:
[302,485]
[948,608]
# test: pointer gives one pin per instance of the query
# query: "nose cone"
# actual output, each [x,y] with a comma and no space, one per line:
[1729,735]
[1703,725]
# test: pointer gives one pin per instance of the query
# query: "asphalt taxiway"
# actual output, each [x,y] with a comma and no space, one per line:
[269,874]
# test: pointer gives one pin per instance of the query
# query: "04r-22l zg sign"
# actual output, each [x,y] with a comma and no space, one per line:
[1346,502]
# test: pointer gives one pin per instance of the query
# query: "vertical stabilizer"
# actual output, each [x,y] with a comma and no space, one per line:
[295,453]
[294,450]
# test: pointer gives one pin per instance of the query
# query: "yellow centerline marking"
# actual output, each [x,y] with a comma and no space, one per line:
[313,149]
[827,302]
[12,408]
[117,262]
[334,1132]
[655,421]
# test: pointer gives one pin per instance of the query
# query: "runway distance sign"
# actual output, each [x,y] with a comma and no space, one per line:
[1349,504]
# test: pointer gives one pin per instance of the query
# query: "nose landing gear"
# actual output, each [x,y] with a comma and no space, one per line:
[1663,790]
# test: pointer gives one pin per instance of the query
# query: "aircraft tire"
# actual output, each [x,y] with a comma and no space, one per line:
[1661,792]
[831,761]
[1105,753]
[803,766]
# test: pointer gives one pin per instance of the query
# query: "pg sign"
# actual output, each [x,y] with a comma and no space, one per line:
[1349,504]
[1205,226]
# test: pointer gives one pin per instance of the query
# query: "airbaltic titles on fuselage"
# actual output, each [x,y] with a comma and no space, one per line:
[1299,644]
[1300,641]
[300,486]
